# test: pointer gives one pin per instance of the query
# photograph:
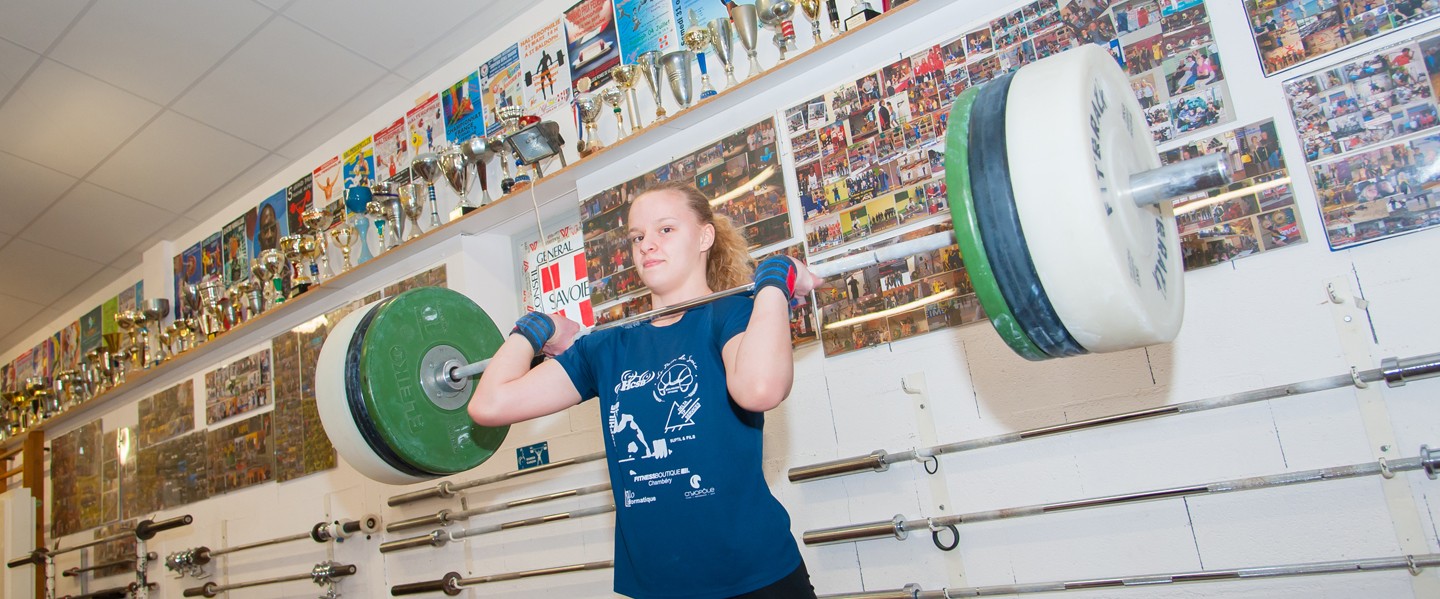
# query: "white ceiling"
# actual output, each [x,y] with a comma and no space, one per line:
[125,123]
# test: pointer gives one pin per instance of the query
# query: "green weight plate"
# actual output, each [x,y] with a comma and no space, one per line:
[402,342]
[967,230]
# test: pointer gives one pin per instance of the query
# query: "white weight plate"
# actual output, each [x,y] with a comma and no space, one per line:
[335,416]
[1111,269]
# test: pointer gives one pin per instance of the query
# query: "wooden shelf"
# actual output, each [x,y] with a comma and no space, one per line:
[509,214]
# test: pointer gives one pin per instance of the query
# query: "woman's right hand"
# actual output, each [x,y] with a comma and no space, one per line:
[566,331]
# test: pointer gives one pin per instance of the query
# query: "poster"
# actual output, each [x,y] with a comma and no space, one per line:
[554,276]
[235,250]
[90,330]
[886,302]
[425,127]
[324,180]
[299,198]
[591,40]
[358,164]
[546,78]
[212,265]
[704,11]
[462,119]
[238,387]
[166,414]
[1366,102]
[500,86]
[1291,32]
[270,224]
[1379,193]
[1214,232]
[645,26]
[239,455]
[741,175]
[392,151]
[68,350]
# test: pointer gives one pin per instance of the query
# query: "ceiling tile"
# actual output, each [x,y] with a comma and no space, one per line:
[174,162]
[4,238]
[170,232]
[95,223]
[29,190]
[275,84]
[83,295]
[359,106]
[39,274]
[14,62]
[69,121]
[463,36]
[274,4]
[35,25]
[221,201]
[374,28]
[156,48]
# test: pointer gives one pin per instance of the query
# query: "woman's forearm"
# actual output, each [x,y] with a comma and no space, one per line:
[765,366]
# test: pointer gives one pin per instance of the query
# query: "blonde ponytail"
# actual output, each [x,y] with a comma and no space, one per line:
[728,262]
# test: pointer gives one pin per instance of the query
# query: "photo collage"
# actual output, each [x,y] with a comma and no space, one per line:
[75,480]
[1368,127]
[168,413]
[740,174]
[240,455]
[238,387]
[1366,102]
[1212,233]
[897,299]
[1291,32]
[117,473]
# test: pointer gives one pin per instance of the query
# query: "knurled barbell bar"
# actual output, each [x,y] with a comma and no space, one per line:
[1059,207]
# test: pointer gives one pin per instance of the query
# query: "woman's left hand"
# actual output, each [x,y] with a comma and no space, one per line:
[805,279]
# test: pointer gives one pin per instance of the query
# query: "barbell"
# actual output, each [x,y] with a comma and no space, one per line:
[1059,206]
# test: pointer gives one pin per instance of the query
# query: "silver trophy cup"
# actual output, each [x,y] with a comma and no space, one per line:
[747,28]
[722,38]
[678,71]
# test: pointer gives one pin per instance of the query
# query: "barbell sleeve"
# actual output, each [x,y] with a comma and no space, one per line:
[827,269]
[448,585]
[146,529]
[1395,372]
[897,527]
[322,573]
[1183,178]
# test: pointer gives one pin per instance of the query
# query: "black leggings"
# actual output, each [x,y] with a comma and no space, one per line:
[795,585]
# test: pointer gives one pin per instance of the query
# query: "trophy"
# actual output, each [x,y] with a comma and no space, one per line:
[212,315]
[722,37]
[455,167]
[427,167]
[155,311]
[315,223]
[41,398]
[478,151]
[356,200]
[299,275]
[139,340]
[588,105]
[344,236]
[697,38]
[833,12]
[861,13]
[747,28]
[776,15]
[376,212]
[627,76]
[126,321]
[510,120]
[653,71]
[677,70]
[811,8]
[388,214]
[270,268]
[113,359]
[413,206]
[613,96]
[246,301]
[70,387]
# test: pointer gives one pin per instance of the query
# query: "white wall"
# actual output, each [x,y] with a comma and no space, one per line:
[1262,321]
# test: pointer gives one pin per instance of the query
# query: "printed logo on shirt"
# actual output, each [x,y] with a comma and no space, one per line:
[698,491]
[678,384]
[633,380]
[631,499]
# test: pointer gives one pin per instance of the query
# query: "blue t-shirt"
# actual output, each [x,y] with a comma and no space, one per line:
[693,515]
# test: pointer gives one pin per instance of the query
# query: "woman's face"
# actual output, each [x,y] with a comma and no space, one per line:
[668,243]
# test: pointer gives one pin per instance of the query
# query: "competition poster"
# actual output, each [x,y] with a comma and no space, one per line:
[90,329]
[1212,233]
[459,103]
[425,127]
[75,480]
[555,280]
[238,387]
[591,41]
[68,346]
[392,154]
[546,78]
[704,11]
[500,86]
[298,198]
[187,272]
[741,174]
[326,179]
[645,26]
[1292,32]
[270,224]
[212,266]
[358,164]
[235,250]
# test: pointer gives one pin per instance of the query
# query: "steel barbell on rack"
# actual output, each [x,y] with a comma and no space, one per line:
[193,560]
[1059,206]
[144,531]
[323,574]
